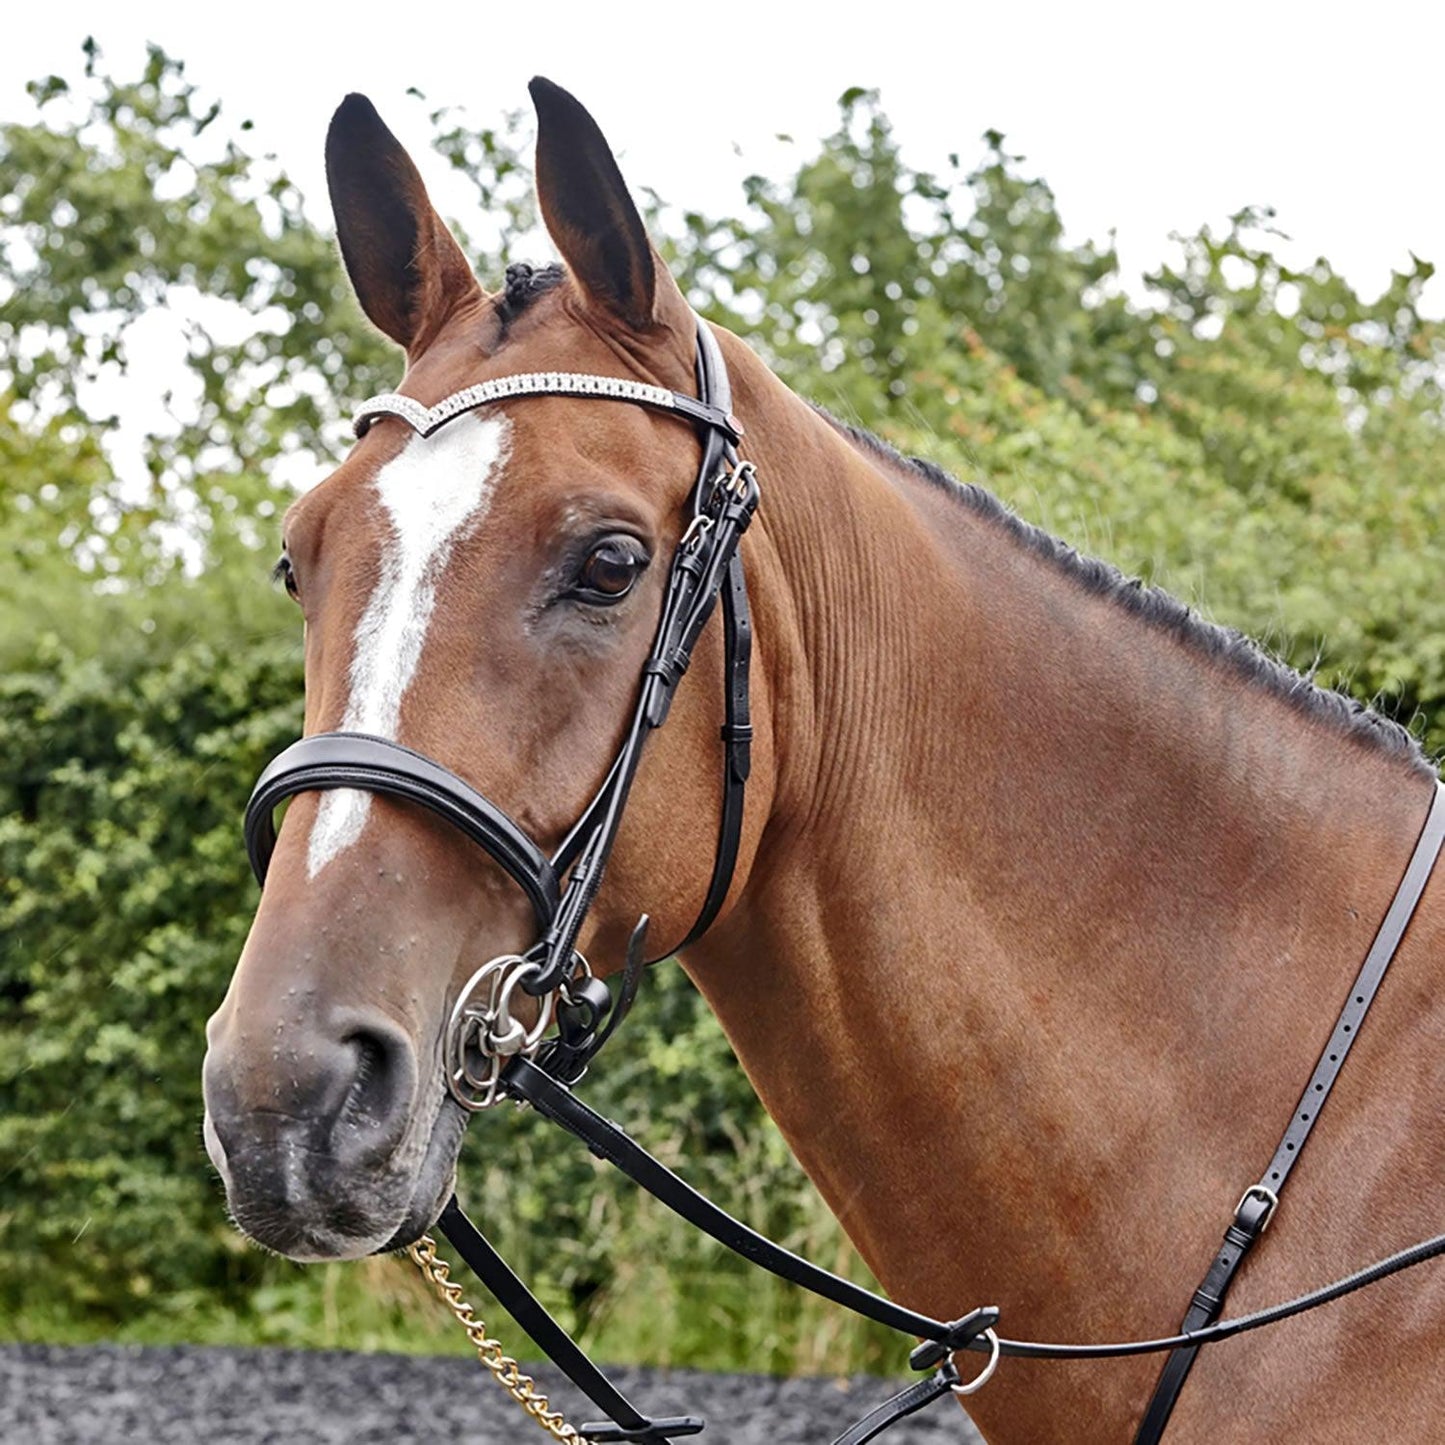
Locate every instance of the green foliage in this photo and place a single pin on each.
(1264, 441)
(858, 268)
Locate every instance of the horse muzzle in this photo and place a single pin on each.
(324, 1141)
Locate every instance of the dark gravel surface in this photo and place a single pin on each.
(50, 1395)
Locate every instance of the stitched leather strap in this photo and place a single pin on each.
(699, 572)
(552, 1099)
(904, 1403)
(737, 737)
(1361, 995)
(737, 731)
(1259, 1203)
(1239, 1238)
(358, 760)
(627, 1422)
(526, 1081)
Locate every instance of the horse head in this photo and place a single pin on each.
(485, 594)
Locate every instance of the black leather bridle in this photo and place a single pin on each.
(705, 567)
(490, 1055)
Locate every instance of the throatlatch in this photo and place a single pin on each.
(491, 1053)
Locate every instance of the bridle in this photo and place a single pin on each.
(490, 1054)
(483, 1034)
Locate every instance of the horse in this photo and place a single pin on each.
(1045, 895)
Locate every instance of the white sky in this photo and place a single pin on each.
(1148, 118)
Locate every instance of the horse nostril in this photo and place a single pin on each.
(374, 1114)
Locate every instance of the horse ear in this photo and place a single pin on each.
(408, 272)
(588, 211)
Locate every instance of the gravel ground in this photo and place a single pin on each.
(50, 1395)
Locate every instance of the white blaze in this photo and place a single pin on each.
(432, 492)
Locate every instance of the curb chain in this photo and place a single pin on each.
(505, 1370)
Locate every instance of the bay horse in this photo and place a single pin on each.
(1047, 891)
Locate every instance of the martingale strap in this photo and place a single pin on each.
(527, 1082)
(1257, 1207)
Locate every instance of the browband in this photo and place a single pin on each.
(424, 420)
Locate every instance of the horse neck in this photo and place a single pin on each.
(1018, 967)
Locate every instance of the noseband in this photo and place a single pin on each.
(483, 1035)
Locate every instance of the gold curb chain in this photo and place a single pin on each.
(505, 1370)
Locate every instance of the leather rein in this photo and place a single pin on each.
(490, 1055)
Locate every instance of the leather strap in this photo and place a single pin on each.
(904, 1403)
(1416, 1254)
(627, 1422)
(358, 760)
(1256, 1209)
(1361, 995)
(737, 737)
(700, 568)
(525, 1080)
(1239, 1238)
(552, 1099)
(697, 576)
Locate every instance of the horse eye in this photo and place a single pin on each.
(610, 570)
(286, 575)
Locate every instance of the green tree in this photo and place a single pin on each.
(858, 269)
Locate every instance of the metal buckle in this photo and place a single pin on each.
(698, 528)
(742, 479)
(1265, 1193)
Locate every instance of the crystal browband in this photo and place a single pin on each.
(425, 420)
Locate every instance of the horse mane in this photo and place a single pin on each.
(1241, 655)
(524, 284)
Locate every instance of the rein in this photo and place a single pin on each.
(490, 1054)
